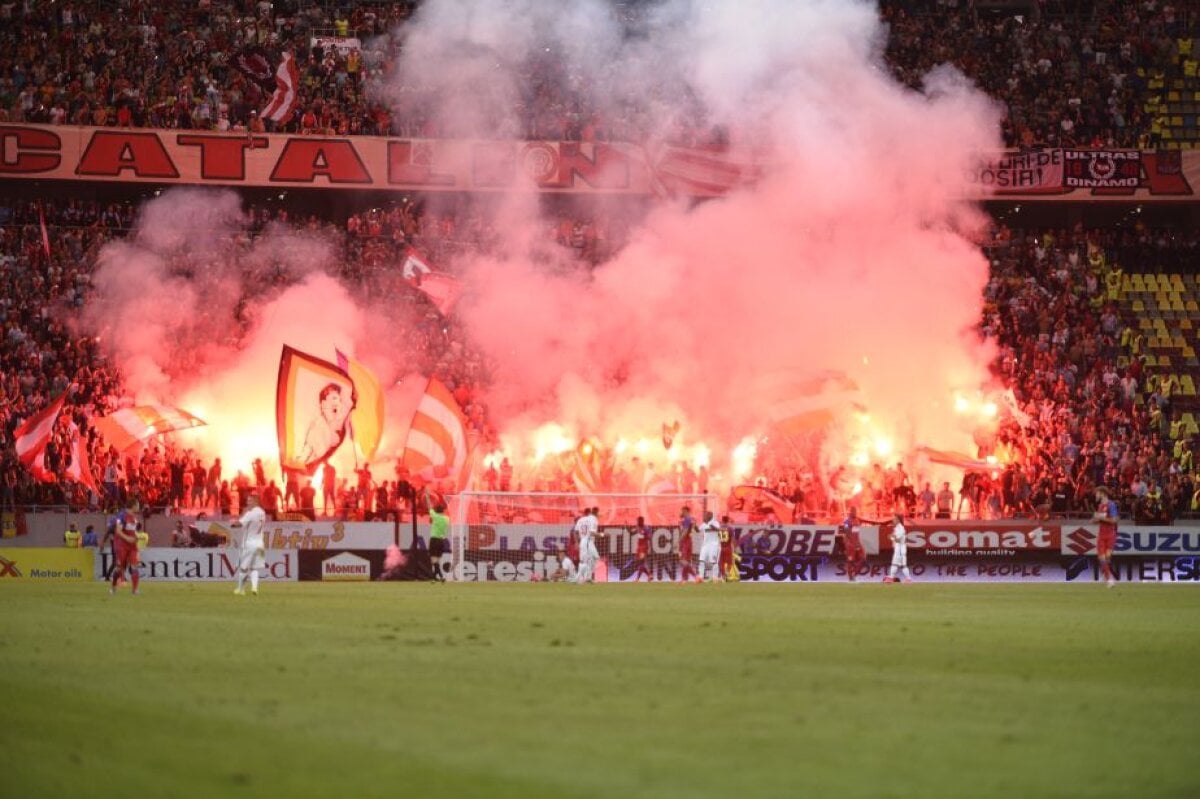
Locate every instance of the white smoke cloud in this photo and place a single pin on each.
(853, 254)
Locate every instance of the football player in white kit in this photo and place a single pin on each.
(710, 546)
(899, 552)
(588, 528)
(253, 547)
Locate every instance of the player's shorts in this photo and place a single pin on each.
(568, 567)
(900, 558)
(855, 553)
(1106, 541)
(252, 559)
(437, 548)
(710, 553)
(126, 555)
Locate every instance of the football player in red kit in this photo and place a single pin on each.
(725, 565)
(1107, 514)
(125, 549)
(641, 555)
(687, 526)
(856, 555)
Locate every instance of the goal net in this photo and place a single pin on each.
(521, 536)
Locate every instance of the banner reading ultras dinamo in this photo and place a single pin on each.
(1079, 174)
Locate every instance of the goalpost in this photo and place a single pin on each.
(515, 536)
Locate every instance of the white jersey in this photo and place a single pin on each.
(253, 521)
(899, 545)
(587, 527)
(711, 534)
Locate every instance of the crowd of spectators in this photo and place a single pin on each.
(1086, 412)
(44, 355)
(1071, 74)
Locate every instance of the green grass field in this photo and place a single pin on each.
(539, 690)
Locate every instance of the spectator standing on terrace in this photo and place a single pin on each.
(925, 501)
(945, 501)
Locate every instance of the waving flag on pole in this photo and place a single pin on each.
(126, 427)
(287, 90)
(80, 469)
(313, 402)
(366, 419)
(437, 444)
(442, 290)
(33, 435)
(45, 232)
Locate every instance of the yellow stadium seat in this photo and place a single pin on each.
(1176, 282)
(1139, 307)
(1177, 342)
(1187, 385)
(1185, 324)
(1191, 307)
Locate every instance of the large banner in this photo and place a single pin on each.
(371, 163)
(979, 538)
(201, 565)
(46, 565)
(1076, 174)
(1135, 541)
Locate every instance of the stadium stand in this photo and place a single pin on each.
(1106, 369)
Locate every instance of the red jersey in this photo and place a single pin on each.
(573, 547)
(685, 545)
(643, 544)
(1107, 539)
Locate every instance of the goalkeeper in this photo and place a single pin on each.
(439, 528)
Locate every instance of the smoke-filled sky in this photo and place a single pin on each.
(852, 254)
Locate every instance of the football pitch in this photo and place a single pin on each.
(543, 690)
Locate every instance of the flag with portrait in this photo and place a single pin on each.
(313, 402)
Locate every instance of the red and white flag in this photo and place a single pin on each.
(287, 90)
(33, 435)
(442, 290)
(45, 232)
(437, 445)
(80, 469)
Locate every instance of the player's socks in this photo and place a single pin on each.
(241, 583)
(254, 581)
(135, 577)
